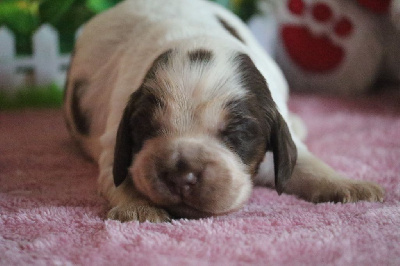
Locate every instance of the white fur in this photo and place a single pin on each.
(117, 49)
(143, 37)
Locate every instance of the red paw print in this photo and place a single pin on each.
(376, 6)
(317, 53)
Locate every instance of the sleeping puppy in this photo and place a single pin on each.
(182, 109)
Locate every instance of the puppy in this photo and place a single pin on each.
(181, 108)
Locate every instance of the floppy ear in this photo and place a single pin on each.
(284, 151)
(280, 140)
(136, 124)
(135, 127)
(123, 148)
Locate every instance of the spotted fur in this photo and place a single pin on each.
(180, 107)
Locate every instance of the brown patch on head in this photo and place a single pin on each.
(193, 91)
(161, 61)
(200, 56)
(230, 29)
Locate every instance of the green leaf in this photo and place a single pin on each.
(98, 6)
(20, 16)
(68, 24)
(243, 8)
(52, 11)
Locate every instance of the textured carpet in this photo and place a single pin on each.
(51, 214)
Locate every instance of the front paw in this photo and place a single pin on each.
(346, 191)
(126, 213)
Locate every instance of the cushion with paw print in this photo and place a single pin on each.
(336, 46)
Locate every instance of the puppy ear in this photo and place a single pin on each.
(123, 148)
(136, 124)
(135, 127)
(284, 152)
(274, 126)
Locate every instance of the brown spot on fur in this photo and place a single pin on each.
(81, 120)
(230, 29)
(200, 56)
(68, 78)
(161, 60)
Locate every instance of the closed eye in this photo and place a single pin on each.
(240, 131)
(241, 134)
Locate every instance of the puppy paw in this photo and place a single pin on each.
(346, 191)
(126, 213)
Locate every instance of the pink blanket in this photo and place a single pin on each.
(52, 215)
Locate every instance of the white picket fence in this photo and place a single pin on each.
(45, 66)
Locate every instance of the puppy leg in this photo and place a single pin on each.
(315, 181)
(298, 126)
(131, 206)
(128, 204)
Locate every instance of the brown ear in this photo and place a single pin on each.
(123, 148)
(274, 126)
(284, 151)
(136, 124)
(135, 127)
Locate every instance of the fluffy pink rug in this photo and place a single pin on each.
(51, 214)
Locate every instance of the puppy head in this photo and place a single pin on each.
(193, 135)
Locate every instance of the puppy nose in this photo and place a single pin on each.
(181, 184)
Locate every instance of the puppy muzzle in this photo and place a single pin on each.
(191, 176)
